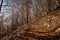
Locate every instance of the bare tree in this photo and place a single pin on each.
(49, 5)
(0, 13)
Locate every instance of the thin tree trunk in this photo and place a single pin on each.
(1, 5)
(27, 9)
(49, 6)
(1, 14)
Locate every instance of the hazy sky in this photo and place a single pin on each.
(6, 9)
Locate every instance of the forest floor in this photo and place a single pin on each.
(46, 28)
